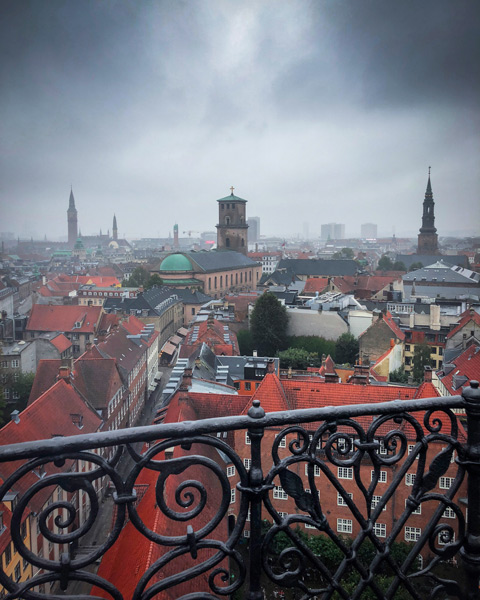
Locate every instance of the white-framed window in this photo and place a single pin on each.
(380, 529)
(382, 450)
(411, 448)
(375, 501)
(412, 534)
(308, 526)
(410, 478)
(230, 471)
(15, 363)
(279, 493)
(446, 483)
(382, 476)
(449, 513)
(232, 495)
(345, 472)
(344, 525)
(246, 533)
(417, 511)
(283, 442)
(247, 463)
(454, 454)
(248, 515)
(341, 500)
(316, 470)
(248, 441)
(443, 542)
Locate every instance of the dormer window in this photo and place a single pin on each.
(77, 325)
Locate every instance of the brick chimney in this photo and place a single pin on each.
(64, 373)
(270, 365)
(331, 378)
(210, 321)
(361, 374)
(186, 383)
(427, 374)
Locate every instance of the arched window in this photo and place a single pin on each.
(227, 242)
(243, 242)
(221, 281)
(215, 282)
(227, 220)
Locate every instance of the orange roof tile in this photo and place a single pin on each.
(63, 318)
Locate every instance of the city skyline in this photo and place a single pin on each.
(313, 112)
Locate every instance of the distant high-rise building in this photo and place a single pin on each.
(428, 238)
(368, 231)
(72, 221)
(253, 229)
(175, 236)
(115, 228)
(332, 231)
(232, 225)
(306, 234)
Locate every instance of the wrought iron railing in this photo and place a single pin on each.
(197, 546)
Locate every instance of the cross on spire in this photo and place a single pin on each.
(231, 189)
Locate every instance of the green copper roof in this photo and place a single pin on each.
(176, 262)
(231, 198)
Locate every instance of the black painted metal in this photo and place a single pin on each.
(318, 439)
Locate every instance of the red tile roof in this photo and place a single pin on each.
(210, 332)
(132, 554)
(388, 319)
(467, 365)
(97, 380)
(61, 343)
(466, 317)
(315, 284)
(52, 414)
(45, 376)
(63, 318)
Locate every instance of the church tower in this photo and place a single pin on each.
(72, 221)
(428, 238)
(232, 228)
(115, 229)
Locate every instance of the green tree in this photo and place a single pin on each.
(245, 342)
(298, 358)
(138, 277)
(398, 376)
(268, 324)
(421, 359)
(153, 280)
(385, 263)
(398, 265)
(416, 265)
(346, 349)
(312, 344)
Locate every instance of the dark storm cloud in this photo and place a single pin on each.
(153, 109)
(387, 54)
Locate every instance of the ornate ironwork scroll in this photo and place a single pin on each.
(189, 497)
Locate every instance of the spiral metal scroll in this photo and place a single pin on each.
(346, 443)
(67, 568)
(191, 496)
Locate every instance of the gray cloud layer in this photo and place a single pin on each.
(315, 111)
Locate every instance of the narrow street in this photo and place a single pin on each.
(101, 528)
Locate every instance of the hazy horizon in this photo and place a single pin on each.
(315, 112)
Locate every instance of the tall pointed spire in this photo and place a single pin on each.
(428, 238)
(72, 220)
(115, 229)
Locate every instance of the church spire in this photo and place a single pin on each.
(115, 229)
(72, 220)
(427, 238)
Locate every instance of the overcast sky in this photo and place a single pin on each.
(316, 112)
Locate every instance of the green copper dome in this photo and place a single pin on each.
(176, 262)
